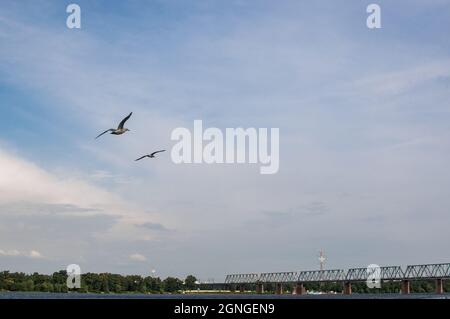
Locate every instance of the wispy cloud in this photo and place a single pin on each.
(138, 257)
(17, 253)
(38, 200)
(399, 82)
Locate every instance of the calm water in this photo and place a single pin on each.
(45, 295)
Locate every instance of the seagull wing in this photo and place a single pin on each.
(110, 130)
(124, 120)
(152, 154)
(141, 158)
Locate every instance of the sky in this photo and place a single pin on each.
(364, 136)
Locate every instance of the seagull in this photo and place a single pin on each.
(152, 155)
(119, 130)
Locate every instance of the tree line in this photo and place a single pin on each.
(94, 283)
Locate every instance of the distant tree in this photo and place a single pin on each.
(135, 283)
(171, 284)
(104, 282)
(190, 282)
(153, 285)
(59, 277)
(28, 285)
(115, 283)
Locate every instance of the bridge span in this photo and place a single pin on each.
(258, 281)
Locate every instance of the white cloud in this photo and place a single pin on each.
(17, 253)
(13, 252)
(138, 257)
(35, 254)
(397, 82)
(21, 180)
(28, 189)
(24, 181)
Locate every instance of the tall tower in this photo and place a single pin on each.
(321, 259)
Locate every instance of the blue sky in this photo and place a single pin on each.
(363, 117)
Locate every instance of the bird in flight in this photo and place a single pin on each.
(152, 155)
(119, 130)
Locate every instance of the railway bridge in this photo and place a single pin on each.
(258, 281)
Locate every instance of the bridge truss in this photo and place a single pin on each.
(430, 271)
(387, 273)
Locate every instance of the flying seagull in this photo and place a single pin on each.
(152, 155)
(119, 130)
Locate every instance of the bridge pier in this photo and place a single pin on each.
(299, 289)
(259, 288)
(406, 287)
(279, 289)
(439, 286)
(347, 288)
